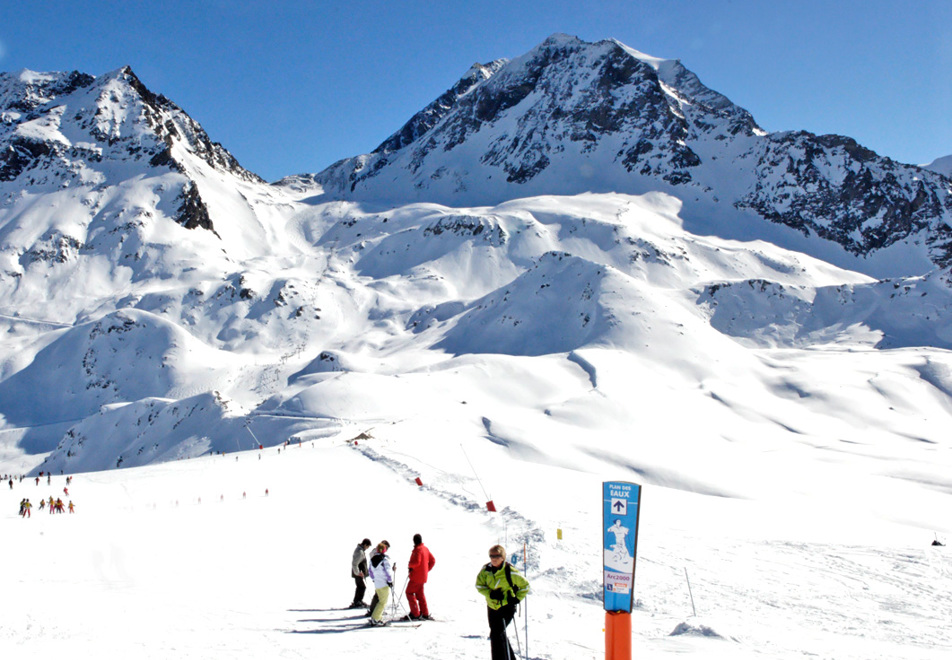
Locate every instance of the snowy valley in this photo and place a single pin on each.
(575, 266)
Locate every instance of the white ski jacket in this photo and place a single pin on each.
(380, 571)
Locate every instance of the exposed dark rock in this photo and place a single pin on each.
(52, 248)
(164, 159)
(836, 189)
(193, 213)
(20, 155)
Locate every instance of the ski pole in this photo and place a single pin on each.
(525, 601)
(690, 593)
(397, 599)
(509, 642)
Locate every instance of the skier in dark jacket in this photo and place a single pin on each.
(358, 570)
(420, 564)
(503, 586)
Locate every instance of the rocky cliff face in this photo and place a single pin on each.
(571, 116)
(62, 130)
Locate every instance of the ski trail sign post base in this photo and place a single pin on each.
(617, 636)
(621, 504)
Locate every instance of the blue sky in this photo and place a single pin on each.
(291, 87)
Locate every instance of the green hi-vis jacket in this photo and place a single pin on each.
(505, 578)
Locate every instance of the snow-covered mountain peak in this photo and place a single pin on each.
(55, 120)
(571, 116)
(546, 121)
(104, 166)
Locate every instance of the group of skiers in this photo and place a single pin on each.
(502, 585)
(379, 568)
(55, 506)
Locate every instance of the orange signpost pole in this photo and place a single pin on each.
(617, 636)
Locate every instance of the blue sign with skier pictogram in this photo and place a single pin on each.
(621, 505)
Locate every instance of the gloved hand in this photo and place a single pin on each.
(496, 594)
(390, 584)
(513, 598)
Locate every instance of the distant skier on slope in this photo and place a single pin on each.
(503, 587)
(358, 570)
(419, 567)
(382, 574)
(25, 507)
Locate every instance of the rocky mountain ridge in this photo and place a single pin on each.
(571, 116)
(115, 113)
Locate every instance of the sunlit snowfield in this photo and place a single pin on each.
(784, 400)
(247, 555)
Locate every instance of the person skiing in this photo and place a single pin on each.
(382, 574)
(358, 570)
(25, 507)
(504, 587)
(373, 553)
(72, 507)
(419, 567)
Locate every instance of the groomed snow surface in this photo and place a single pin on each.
(788, 420)
(246, 555)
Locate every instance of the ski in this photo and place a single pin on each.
(394, 624)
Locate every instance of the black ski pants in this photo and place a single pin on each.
(360, 590)
(498, 621)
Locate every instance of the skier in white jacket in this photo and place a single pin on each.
(381, 572)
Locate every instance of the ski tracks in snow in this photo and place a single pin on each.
(832, 591)
(522, 526)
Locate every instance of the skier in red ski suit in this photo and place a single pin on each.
(420, 564)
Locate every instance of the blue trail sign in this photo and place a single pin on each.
(621, 506)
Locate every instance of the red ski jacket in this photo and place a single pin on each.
(420, 564)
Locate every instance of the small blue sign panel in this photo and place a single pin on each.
(621, 506)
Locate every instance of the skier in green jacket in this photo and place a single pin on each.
(504, 587)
